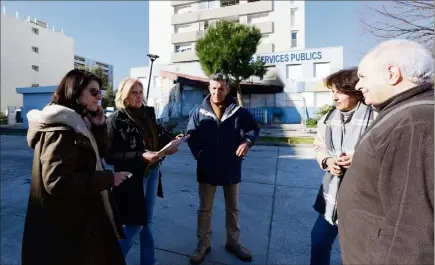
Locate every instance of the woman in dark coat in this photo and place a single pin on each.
(70, 219)
(134, 138)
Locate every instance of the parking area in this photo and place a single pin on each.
(276, 196)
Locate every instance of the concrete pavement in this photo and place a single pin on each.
(276, 196)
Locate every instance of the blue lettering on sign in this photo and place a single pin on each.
(289, 57)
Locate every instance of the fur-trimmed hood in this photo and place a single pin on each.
(54, 117)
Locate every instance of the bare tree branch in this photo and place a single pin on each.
(410, 19)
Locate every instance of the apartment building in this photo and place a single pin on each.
(292, 90)
(33, 54)
(175, 26)
(81, 61)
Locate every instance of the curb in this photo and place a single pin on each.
(13, 131)
(284, 145)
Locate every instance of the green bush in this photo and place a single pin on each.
(3, 118)
(311, 123)
(324, 110)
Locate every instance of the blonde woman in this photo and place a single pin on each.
(133, 139)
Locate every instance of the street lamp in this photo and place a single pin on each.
(152, 57)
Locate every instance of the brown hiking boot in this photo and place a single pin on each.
(201, 251)
(240, 252)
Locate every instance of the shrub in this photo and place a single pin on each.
(311, 123)
(324, 110)
(3, 118)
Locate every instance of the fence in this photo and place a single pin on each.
(277, 108)
(266, 109)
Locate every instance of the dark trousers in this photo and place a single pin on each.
(323, 236)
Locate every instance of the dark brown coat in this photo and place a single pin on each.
(66, 222)
(386, 199)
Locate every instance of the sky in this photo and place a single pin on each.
(116, 32)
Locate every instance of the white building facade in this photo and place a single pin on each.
(32, 54)
(176, 25)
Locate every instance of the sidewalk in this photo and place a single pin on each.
(276, 197)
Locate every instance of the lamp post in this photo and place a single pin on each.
(152, 57)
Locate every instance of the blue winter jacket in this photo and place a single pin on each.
(213, 143)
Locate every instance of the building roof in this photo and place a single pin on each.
(35, 90)
(202, 82)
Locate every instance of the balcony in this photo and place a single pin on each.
(187, 37)
(186, 56)
(222, 12)
(265, 27)
(265, 48)
(181, 2)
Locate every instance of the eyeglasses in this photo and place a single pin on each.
(95, 92)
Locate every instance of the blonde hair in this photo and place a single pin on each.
(124, 90)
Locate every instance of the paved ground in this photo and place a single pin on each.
(278, 189)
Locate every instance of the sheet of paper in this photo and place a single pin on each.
(173, 143)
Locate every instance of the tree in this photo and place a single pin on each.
(109, 97)
(85, 67)
(228, 47)
(413, 20)
(98, 71)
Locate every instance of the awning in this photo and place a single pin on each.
(202, 82)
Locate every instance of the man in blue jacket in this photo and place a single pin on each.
(221, 133)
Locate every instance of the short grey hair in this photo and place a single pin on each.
(414, 60)
(220, 77)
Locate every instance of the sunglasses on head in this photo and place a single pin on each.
(95, 92)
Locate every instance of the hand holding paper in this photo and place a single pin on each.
(172, 146)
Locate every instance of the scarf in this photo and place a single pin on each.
(341, 136)
(146, 125)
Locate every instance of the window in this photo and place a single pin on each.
(78, 58)
(229, 2)
(294, 43)
(183, 28)
(294, 17)
(321, 70)
(35, 85)
(183, 47)
(294, 71)
(79, 65)
(206, 4)
(35, 31)
(35, 49)
(35, 68)
(258, 18)
(103, 65)
(203, 25)
(182, 9)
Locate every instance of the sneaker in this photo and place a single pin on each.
(201, 251)
(240, 252)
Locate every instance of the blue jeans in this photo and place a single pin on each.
(147, 257)
(323, 236)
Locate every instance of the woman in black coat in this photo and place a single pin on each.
(134, 138)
